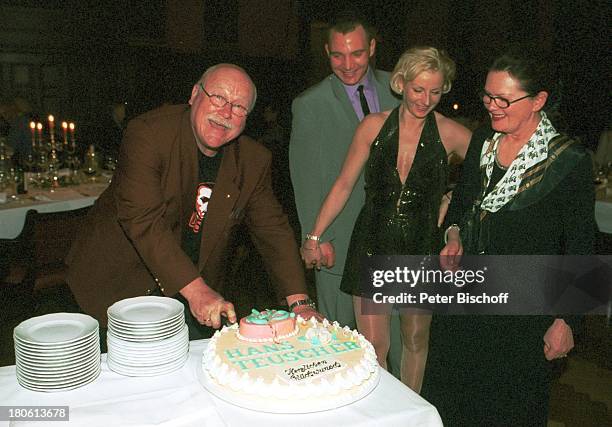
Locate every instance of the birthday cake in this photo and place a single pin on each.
(274, 361)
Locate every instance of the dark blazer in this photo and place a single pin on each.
(553, 215)
(131, 242)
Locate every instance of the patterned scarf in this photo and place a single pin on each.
(532, 153)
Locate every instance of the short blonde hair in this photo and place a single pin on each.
(418, 59)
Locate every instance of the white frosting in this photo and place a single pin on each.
(323, 375)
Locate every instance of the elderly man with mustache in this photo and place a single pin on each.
(185, 180)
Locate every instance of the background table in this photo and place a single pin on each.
(178, 399)
(12, 213)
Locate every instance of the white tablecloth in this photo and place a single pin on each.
(13, 213)
(178, 399)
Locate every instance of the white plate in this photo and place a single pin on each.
(59, 353)
(145, 309)
(57, 348)
(146, 372)
(149, 336)
(55, 328)
(148, 345)
(150, 360)
(152, 364)
(60, 387)
(179, 318)
(128, 330)
(59, 364)
(146, 327)
(147, 352)
(60, 377)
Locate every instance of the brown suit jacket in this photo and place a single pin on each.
(131, 242)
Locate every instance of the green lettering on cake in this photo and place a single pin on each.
(252, 351)
(241, 363)
(286, 345)
(259, 362)
(301, 353)
(276, 359)
(319, 350)
(232, 353)
(351, 345)
(337, 347)
(290, 356)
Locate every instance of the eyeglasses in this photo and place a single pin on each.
(219, 101)
(500, 101)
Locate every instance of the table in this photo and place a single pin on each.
(178, 399)
(13, 213)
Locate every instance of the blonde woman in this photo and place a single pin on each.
(403, 153)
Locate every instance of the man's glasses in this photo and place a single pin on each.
(500, 101)
(219, 101)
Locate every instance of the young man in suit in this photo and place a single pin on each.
(325, 117)
(185, 179)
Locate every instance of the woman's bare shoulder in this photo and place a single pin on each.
(450, 129)
(371, 125)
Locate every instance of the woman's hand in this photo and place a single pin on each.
(311, 254)
(558, 340)
(328, 254)
(323, 254)
(450, 255)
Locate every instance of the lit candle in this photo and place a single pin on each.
(71, 127)
(33, 129)
(39, 127)
(52, 129)
(65, 129)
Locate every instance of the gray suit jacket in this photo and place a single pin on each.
(324, 122)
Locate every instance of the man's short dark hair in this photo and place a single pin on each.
(346, 21)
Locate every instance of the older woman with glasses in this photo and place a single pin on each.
(525, 189)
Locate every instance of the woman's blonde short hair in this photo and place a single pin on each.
(418, 59)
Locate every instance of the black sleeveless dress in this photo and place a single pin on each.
(398, 219)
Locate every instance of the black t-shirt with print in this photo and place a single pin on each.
(208, 168)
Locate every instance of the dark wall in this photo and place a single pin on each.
(78, 56)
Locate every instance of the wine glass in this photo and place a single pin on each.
(90, 165)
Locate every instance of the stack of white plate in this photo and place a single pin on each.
(57, 352)
(147, 336)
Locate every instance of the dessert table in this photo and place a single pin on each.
(13, 212)
(178, 399)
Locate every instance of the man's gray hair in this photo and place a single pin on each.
(214, 68)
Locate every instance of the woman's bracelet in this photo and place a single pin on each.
(448, 229)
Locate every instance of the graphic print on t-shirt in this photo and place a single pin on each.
(203, 195)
